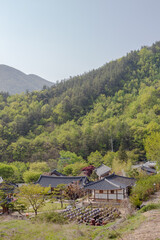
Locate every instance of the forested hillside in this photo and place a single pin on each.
(111, 109)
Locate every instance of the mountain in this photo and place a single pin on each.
(14, 81)
(109, 110)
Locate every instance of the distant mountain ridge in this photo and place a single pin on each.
(14, 81)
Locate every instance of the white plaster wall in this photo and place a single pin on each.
(120, 196)
(101, 196)
(110, 196)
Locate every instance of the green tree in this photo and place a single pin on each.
(152, 147)
(19, 169)
(122, 155)
(6, 171)
(58, 192)
(108, 158)
(95, 159)
(66, 158)
(74, 169)
(33, 195)
(31, 176)
(39, 167)
(19, 206)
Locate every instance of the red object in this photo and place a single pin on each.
(88, 170)
(98, 224)
(93, 222)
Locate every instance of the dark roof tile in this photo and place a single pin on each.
(126, 181)
(111, 182)
(148, 169)
(46, 181)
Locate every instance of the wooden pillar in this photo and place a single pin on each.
(116, 194)
(94, 194)
(107, 195)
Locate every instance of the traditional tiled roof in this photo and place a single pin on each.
(46, 181)
(102, 184)
(146, 164)
(111, 182)
(103, 169)
(120, 180)
(148, 170)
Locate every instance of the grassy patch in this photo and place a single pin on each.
(149, 207)
(132, 223)
(51, 217)
(23, 229)
(33, 230)
(49, 206)
(47, 230)
(52, 206)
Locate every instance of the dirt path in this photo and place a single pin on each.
(148, 230)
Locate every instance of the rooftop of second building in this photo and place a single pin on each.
(101, 170)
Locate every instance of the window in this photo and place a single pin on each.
(100, 191)
(112, 191)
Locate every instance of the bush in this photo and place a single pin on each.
(31, 176)
(150, 207)
(52, 217)
(113, 235)
(39, 167)
(134, 199)
(6, 171)
(146, 186)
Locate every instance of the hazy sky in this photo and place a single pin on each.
(56, 39)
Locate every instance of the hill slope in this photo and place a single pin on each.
(14, 81)
(116, 106)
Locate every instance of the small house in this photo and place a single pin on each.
(112, 187)
(102, 171)
(148, 170)
(148, 167)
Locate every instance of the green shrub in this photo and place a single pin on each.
(52, 217)
(150, 207)
(134, 199)
(146, 186)
(31, 176)
(112, 235)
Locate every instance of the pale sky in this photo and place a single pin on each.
(56, 39)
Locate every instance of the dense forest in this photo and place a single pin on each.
(113, 109)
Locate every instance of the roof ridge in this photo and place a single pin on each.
(112, 183)
(50, 176)
(113, 174)
(89, 184)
